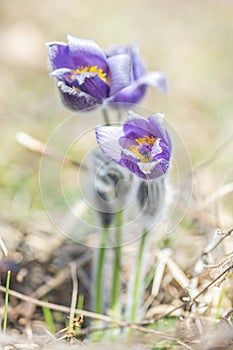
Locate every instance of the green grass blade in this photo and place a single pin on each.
(6, 301)
(48, 316)
(80, 303)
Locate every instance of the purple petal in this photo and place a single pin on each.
(108, 140)
(85, 52)
(93, 86)
(160, 150)
(126, 143)
(136, 126)
(134, 93)
(157, 126)
(138, 65)
(120, 69)
(156, 148)
(131, 163)
(116, 49)
(59, 55)
(154, 169)
(155, 79)
(62, 74)
(160, 168)
(127, 95)
(76, 100)
(138, 68)
(147, 171)
(58, 73)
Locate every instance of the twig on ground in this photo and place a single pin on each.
(3, 246)
(221, 192)
(41, 148)
(61, 276)
(83, 278)
(213, 245)
(189, 302)
(122, 324)
(53, 283)
(74, 296)
(57, 307)
(160, 334)
(228, 314)
(211, 284)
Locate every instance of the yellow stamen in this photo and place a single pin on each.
(92, 69)
(150, 140)
(134, 148)
(142, 158)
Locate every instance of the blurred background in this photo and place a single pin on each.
(192, 41)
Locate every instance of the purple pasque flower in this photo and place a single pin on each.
(87, 76)
(141, 145)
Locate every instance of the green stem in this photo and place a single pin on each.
(138, 278)
(6, 301)
(99, 271)
(115, 299)
(106, 116)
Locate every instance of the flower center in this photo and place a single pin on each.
(89, 69)
(143, 148)
(150, 140)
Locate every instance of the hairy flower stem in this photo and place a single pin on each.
(136, 292)
(98, 289)
(106, 116)
(115, 299)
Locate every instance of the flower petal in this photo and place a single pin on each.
(156, 148)
(138, 65)
(160, 150)
(126, 96)
(116, 49)
(76, 100)
(59, 55)
(62, 74)
(132, 164)
(154, 169)
(58, 73)
(85, 52)
(136, 126)
(138, 68)
(134, 93)
(160, 168)
(120, 69)
(93, 85)
(108, 140)
(155, 79)
(146, 168)
(157, 126)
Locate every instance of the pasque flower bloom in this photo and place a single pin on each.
(87, 76)
(141, 145)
